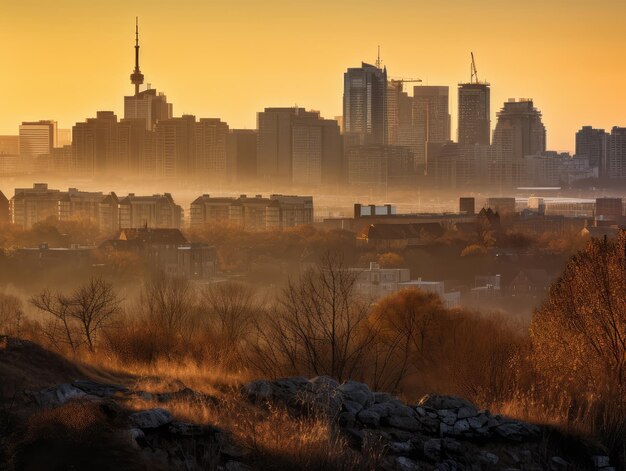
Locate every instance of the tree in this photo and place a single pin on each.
(319, 326)
(579, 334)
(78, 318)
(232, 308)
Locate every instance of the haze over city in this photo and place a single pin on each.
(231, 59)
(339, 235)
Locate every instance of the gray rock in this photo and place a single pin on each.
(461, 427)
(369, 418)
(357, 392)
(432, 449)
(478, 421)
(429, 424)
(404, 411)
(97, 389)
(57, 395)
(466, 412)
(451, 446)
(384, 409)
(351, 406)
(444, 402)
(190, 430)
(346, 419)
(381, 397)
(400, 448)
(258, 391)
(511, 431)
(236, 466)
(447, 416)
(420, 411)
(404, 423)
(152, 418)
(405, 464)
(488, 457)
(447, 465)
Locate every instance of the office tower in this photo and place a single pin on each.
(156, 211)
(431, 119)
(379, 165)
(316, 151)
(591, 144)
(38, 138)
(95, 145)
(474, 114)
(135, 148)
(175, 147)
(519, 132)
(365, 105)
(63, 159)
(242, 154)
(210, 156)
(9, 145)
(616, 154)
(5, 213)
(146, 105)
(274, 155)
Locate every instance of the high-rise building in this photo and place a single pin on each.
(96, 145)
(242, 154)
(616, 154)
(210, 156)
(591, 144)
(146, 105)
(519, 133)
(365, 105)
(275, 140)
(431, 119)
(474, 114)
(175, 147)
(37, 138)
(135, 148)
(316, 151)
(64, 137)
(378, 166)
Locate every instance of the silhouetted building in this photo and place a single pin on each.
(616, 154)
(242, 154)
(295, 145)
(29, 206)
(96, 145)
(253, 213)
(210, 157)
(379, 166)
(365, 105)
(518, 133)
(591, 144)
(610, 209)
(474, 114)
(5, 213)
(175, 147)
(156, 211)
(504, 206)
(136, 148)
(431, 118)
(79, 205)
(109, 214)
(37, 138)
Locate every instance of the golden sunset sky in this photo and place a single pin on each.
(65, 59)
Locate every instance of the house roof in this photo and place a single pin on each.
(153, 236)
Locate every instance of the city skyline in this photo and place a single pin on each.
(39, 85)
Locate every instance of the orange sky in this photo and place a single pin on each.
(64, 60)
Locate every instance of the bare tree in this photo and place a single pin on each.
(78, 318)
(319, 326)
(232, 308)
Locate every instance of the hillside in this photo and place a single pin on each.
(56, 414)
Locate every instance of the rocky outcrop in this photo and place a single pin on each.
(439, 433)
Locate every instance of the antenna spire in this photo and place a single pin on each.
(378, 61)
(136, 78)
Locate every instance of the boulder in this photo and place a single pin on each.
(405, 464)
(409, 424)
(98, 389)
(151, 418)
(357, 392)
(258, 391)
(438, 402)
(487, 457)
(57, 395)
(369, 418)
(432, 449)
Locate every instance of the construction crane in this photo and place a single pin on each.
(402, 81)
(474, 72)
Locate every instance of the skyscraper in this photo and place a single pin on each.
(274, 156)
(519, 132)
(431, 120)
(210, 159)
(474, 114)
(316, 151)
(146, 105)
(175, 147)
(37, 138)
(242, 154)
(591, 144)
(95, 144)
(365, 105)
(616, 154)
